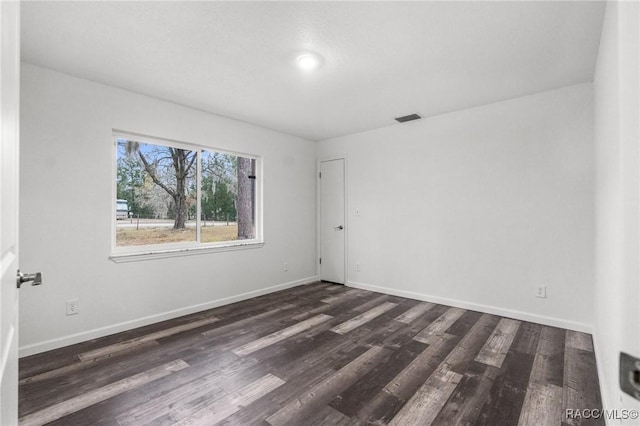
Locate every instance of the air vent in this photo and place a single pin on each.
(409, 117)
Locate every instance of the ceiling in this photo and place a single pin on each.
(381, 59)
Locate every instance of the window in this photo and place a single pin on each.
(174, 196)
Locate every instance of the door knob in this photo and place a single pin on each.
(24, 278)
(339, 228)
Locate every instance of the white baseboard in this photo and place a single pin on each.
(606, 395)
(72, 339)
(495, 310)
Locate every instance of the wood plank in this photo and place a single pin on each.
(542, 405)
(261, 409)
(373, 333)
(506, 396)
(356, 397)
(363, 318)
(106, 411)
(226, 406)
(548, 364)
(127, 344)
(374, 299)
(544, 398)
(75, 367)
(157, 409)
(427, 402)
(38, 395)
(577, 340)
(414, 312)
(333, 299)
(438, 327)
(317, 396)
(377, 331)
(527, 338)
(211, 346)
(459, 359)
(305, 290)
(36, 364)
(280, 335)
(329, 416)
(287, 348)
(245, 322)
(464, 323)
(407, 332)
(405, 383)
(344, 305)
(204, 387)
(466, 401)
(335, 287)
(381, 410)
(318, 350)
(580, 390)
(64, 408)
(354, 292)
(494, 351)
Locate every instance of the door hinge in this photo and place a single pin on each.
(321, 261)
(320, 175)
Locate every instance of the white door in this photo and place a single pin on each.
(332, 223)
(9, 126)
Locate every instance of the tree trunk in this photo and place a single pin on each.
(180, 200)
(244, 202)
(183, 161)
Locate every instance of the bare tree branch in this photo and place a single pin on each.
(193, 160)
(152, 173)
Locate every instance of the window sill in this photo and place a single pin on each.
(162, 254)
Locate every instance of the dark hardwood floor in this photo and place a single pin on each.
(318, 354)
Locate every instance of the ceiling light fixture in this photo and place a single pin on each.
(308, 61)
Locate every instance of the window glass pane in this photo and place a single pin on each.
(158, 184)
(228, 197)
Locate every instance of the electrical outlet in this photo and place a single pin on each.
(285, 267)
(541, 291)
(73, 307)
(357, 267)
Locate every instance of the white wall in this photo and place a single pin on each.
(66, 213)
(477, 207)
(617, 134)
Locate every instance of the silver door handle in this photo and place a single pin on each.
(25, 278)
(339, 228)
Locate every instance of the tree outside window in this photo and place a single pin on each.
(178, 195)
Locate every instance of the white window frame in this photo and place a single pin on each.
(156, 251)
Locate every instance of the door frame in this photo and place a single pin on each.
(10, 262)
(347, 224)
